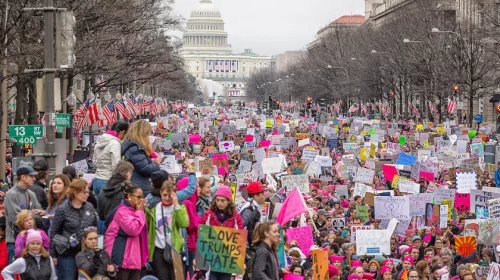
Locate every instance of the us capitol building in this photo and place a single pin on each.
(220, 74)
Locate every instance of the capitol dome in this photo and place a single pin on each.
(205, 9)
(205, 31)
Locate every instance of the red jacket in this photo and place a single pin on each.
(232, 222)
(4, 256)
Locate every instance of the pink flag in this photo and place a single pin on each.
(292, 207)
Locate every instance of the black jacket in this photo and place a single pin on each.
(69, 220)
(110, 196)
(94, 263)
(143, 165)
(251, 216)
(39, 189)
(265, 264)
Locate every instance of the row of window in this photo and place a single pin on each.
(205, 27)
(255, 63)
(220, 76)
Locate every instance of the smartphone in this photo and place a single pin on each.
(100, 242)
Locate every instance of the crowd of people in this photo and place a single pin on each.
(141, 217)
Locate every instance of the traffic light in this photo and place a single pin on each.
(309, 102)
(456, 89)
(65, 40)
(277, 105)
(322, 104)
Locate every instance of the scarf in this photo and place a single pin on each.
(203, 203)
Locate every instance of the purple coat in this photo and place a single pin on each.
(21, 241)
(126, 238)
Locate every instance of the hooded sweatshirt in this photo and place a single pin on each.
(110, 196)
(107, 154)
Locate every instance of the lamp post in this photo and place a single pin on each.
(71, 100)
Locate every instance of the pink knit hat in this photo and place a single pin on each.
(427, 238)
(33, 235)
(224, 191)
(356, 264)
(345, 203)
(336, 259)
(332, 270)
(385, 269)
(409, 259)
(354, 277)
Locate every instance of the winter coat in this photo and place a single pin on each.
(17, 199)
(94, 263)
(110, 196)
(4, 256)
(497, 178)
(232, 222)
(143, 165)
(179, 220)
(251, 215)
(69, 220)
(189, 201)
(32, 267)
(265, 264)
(126, 237)
(107, 154)
(21, 241)
(154, 197)
(39, 189)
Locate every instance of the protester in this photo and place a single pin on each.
(164, 223)
(4, 253)
(57, 195)
(19, 198)
(112, 194)
(25, 222)
(34, 263)
(107, 154)
(40, 185)
(204, 197)
(137, 149)
(92, 261)
(70, 171)
(126, 238)
(67, 228)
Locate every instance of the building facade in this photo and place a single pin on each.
(220, 73)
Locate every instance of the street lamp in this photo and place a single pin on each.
(435, 30)
(118, 96)
(90, 96)
(107, 96)
(407, 41)
(71, 100)
(140, 96)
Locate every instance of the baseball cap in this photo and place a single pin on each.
(25, 170)
(255, 188)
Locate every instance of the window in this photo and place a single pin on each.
(243, 69)
(78, 84)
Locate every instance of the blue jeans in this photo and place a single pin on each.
(66, 268)
(11, 248)
(98, 185)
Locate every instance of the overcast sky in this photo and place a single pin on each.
(270, 27)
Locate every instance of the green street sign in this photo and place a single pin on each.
(23, 131)
(63, 120)
(31, 140)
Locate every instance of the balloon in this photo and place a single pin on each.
(472, 133)
(402, 140)
(372, 131)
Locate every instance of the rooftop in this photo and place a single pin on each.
(354, 19)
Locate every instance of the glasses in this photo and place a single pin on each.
(137, 196)
(89, 229)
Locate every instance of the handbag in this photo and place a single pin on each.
(61, 244)
(170, 255)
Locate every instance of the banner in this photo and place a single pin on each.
(320, 264)
(221, 249)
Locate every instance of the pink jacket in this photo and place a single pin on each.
(126, 238)
(21, 241)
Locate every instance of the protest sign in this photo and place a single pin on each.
(309, 155)
(205, 167)
(323, 161)
(296, 181)
(462, 202)
(260, 154)
(355, 229)
(221, 249)
(432, 214)
(407, 186)
(418, 202)
(481, 272)
(466, 181)
(364, 175)
(272, 165)
(81, 166)
(360, 189)
(494, 272)
(332, 143)
(465, 247)
(300, 136)
(320, 264)
(303, 236)
(349, 147)
(406, 159)
(389, 172)
(362, 212)
(304, 142)
(479, 198)
(245, 166)
(494, 208)
(488, 230)
(443, 216)
(88, 177)
(373, 242)
(313, 169)
(265, 211)
(226, 146)
(388, 207)
(342, 190)
(443, 194)
(170, 165)
(338, 223)
(449, 203)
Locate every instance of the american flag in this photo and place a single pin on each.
(80, 123)
(452, 105)
(433, 108)
(153, 109)
(109, 112)
(93, 111)
(82, 111)
(415, 111)
(364, 109)
(374, 107)
(122, 108)
(132, 105)
(354, 108)
(147, 105)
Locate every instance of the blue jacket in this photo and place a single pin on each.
(143, 165)
(497, 177)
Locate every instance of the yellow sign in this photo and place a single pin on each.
(395, 182)
(233, 189)
(420, 127)
(300, 136)
(450, 207)
(373, 148)
(269, 123)
(440, 130)
(362, 153)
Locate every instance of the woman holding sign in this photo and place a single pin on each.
(266, 238)
(222, 213)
